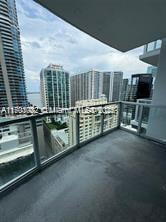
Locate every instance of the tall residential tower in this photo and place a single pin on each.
(12, 78)
(93, 84)
(55, 87)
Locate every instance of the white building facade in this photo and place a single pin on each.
(93, 84)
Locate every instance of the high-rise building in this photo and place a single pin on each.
(115, 86)
(55, 87)
(106, 84)
(85, 86)
(124, 91)
(12, 78)
(141, 86)
(138, 87)
(92, 84)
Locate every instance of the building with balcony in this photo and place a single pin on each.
(90, 119)
(12, 78)
(81, 86)
(125, 90)
(55, 87)
(154, 54)
(151, 53)
(115, 86)
(93, 84)
(91, 102)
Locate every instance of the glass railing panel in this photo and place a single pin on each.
(16, 151)
(129, 117)
(111, 116)
(153, 122)
(56, 133)
(144, 118)
(158, 44)
(90, 123)
(145, 48)
(151, 46)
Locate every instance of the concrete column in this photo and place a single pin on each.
(157, 117)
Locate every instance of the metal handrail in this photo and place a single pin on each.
(47, 114)
(42, 115)
(143, 104)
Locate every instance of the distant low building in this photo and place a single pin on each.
(90, 124)
(91, 102)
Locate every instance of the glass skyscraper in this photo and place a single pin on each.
(55, 86)
(12, 78)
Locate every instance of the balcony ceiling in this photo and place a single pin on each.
(123, 25)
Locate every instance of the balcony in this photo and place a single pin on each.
(151, 53)
(117, 175)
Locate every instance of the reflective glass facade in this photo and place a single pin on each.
(54, 82)
(12, 78)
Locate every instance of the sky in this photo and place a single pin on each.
(45, 39)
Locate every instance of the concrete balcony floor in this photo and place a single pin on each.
(119, 177)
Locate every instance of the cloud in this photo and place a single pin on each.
(32, 80)
(47, 39)
(31, 44)
(32, 75)
(33, 10)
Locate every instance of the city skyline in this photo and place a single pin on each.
(65, 45)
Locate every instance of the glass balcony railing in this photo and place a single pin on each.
(56, 133)
(28, 144)
(152, 46)
(128, 114)
(16, 150)
(144, 119)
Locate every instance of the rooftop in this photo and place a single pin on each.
(119, 177)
